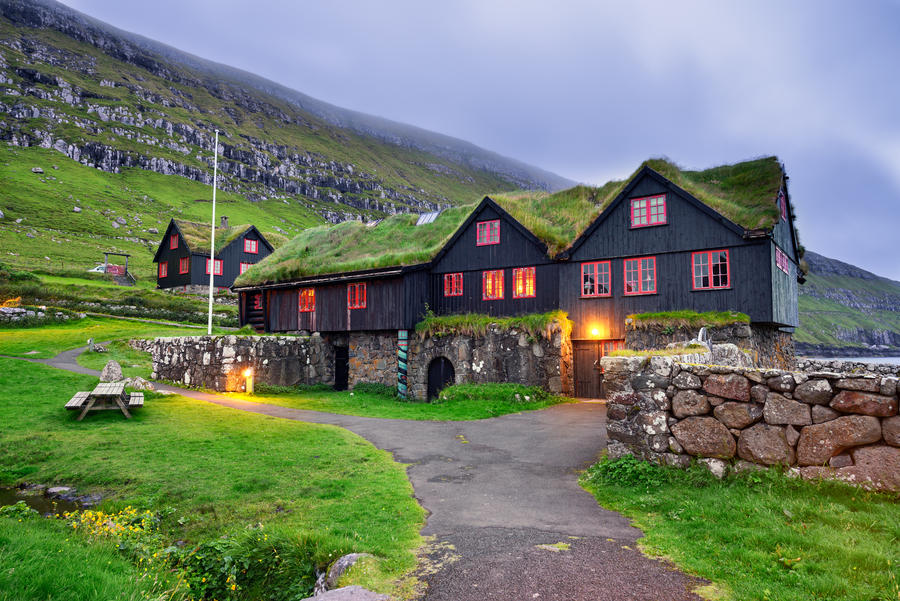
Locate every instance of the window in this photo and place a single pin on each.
(452, 284)
(595, 279)
(245, 266)
(308, 300)
(782, 204)
(710, 269)
(782, 261)
(217, 267)
(523, 282)
(251, 246)
(184, 264)
(257, 302)
(640, 276)
(356, 296)
(173, 241)
(492, 285)
(487, 232)
(163, 269)
(650, 210)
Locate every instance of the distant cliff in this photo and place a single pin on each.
(845, 310)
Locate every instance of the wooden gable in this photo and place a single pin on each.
(163, 248)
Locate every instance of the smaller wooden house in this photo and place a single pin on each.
(182, 258)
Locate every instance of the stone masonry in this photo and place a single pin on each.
(373, 358)
(821, 423)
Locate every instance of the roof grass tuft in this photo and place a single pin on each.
(197, 235)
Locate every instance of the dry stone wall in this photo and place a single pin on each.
(373, 358)
(821, 423)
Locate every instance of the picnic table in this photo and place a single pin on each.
(106, 396)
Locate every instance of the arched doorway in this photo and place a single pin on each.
(440, 374)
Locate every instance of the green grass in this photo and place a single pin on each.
(41, 559)
(475, 324)
(460, 403)
(688, 318)
(51, 340)
(668, 352)
(210, 471)
(134, 363)
(760, 537)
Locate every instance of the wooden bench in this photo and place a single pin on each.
(78, 400)
(136, 399)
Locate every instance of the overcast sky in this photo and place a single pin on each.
(590, 89)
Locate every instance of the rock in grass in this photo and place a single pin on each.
(340, 566)
(138, 383)
(112, 372)
(349, 593)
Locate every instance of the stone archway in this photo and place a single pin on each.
(440, 375)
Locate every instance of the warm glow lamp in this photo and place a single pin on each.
(595, 332)
(248, 374)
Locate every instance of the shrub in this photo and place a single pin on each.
(504, 392)
(20, 511)
(376, 389)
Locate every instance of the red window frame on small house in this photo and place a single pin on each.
(356, 296)
(648, 210)
(257, 301)
(307, 302)
(524, 282)
(782, 261)
(596, 279)
(487, 232)
(173, 241)
(251, 246)
(710, 270)
(640, 276)
(245, 266)
(163, 269)
(217, 267)
(453, 284)
(184, 265)
(492, 285)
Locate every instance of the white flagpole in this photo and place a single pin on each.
(212, 236)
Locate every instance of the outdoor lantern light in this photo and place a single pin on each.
(595, 332)
(248, 373)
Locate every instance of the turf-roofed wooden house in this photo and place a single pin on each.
(182, 258)
(662, 240)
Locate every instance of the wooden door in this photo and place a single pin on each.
(587, 372)
(341, 367)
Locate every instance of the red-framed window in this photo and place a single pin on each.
(595, 279)
(453, 284)
(782, 204)
(184, 264)
(217, 267)
(640, 275)
(173, 241)
(710, 270)
(245, 266)
(257, 301)
(487, 232)
(356, 295)
(163, 269)
(782, 261)
(251, 246)
(523, 282)
(492, 285)
(650, 210)
(307, 300)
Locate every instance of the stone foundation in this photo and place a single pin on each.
(826, 424)
(854, 367)
(373, 358)
(769, 346)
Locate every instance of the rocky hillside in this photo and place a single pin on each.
(114, 100)
(845, 310)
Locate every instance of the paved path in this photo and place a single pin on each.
(495, 489)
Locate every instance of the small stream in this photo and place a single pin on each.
(37, 501)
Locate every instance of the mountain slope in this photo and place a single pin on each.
(845, 310)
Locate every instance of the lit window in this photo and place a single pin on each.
(640, 275)
(307, 300)
(173, 241)
(710, 269)
(217, 267)
(487, 232)
(650, 210)
(782, 261)
(245, 266)
(163, 269)
(184, 264)
(523, 282)
(251, 246)
(492, 285)
(595, 279)
(453, 283)
(356, 296)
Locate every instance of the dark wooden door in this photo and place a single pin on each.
(341, 367)
(440, 374)
(587, 372)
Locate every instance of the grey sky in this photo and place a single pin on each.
(590, 89)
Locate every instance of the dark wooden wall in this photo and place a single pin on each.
(546, 295)
(232, 256)
(172, 256)
(785, 289)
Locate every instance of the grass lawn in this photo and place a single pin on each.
(475, 402)
(53, 339)
(134, 363)
(760, 536)
(312, 491)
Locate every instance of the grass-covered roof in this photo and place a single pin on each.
(744, 193)
(196, 235)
